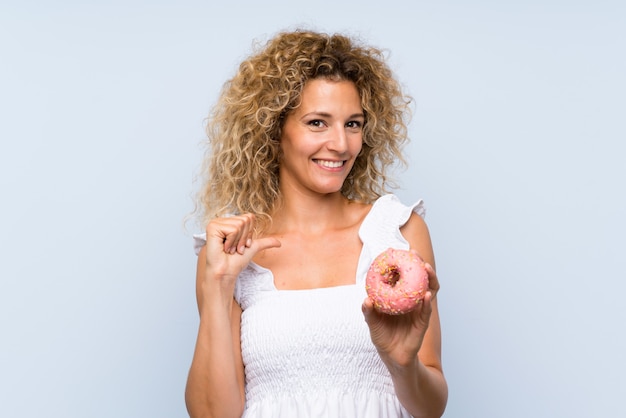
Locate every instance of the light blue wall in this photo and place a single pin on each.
(518, 151)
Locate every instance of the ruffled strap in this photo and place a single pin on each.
(199, 241)
(382, 225)
(381, 228)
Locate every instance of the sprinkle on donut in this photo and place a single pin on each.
(396, 281)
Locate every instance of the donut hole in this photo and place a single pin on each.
(392, 275)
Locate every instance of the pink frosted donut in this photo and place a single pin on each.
(396, 281)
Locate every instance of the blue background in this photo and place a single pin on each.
(518, 150)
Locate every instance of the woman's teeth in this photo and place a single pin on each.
(330, 164)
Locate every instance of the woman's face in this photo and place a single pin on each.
(321, 138)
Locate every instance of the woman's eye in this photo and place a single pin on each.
(354, 124)
(316, 123)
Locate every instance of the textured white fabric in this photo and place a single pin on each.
(308, 353)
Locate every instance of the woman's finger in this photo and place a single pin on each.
(426, 309)
(245, 236)
(261, 244)
(233, 231)
(433, 281)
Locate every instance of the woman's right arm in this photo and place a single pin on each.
(215, 381)
(215, 385)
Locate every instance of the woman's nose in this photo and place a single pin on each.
(338, 140)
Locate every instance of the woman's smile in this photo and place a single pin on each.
(329, 164)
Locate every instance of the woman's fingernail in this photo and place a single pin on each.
(248, 242)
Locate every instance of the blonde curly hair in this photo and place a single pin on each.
(244, 128)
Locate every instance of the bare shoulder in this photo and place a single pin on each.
(416, 232)
(357, 211)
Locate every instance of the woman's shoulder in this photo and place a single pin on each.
(386, 217)
(390, 207)
(358, 211)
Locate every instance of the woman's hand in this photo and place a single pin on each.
(398, 338)
(230, 246)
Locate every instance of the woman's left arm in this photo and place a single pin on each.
(410, 344)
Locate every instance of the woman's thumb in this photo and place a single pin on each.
(265, 243)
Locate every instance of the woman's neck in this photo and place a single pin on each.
(310, 214)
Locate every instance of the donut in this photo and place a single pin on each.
(396, 281)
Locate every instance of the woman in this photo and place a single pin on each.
(296, 209)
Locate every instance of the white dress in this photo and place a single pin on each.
(308, 353)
